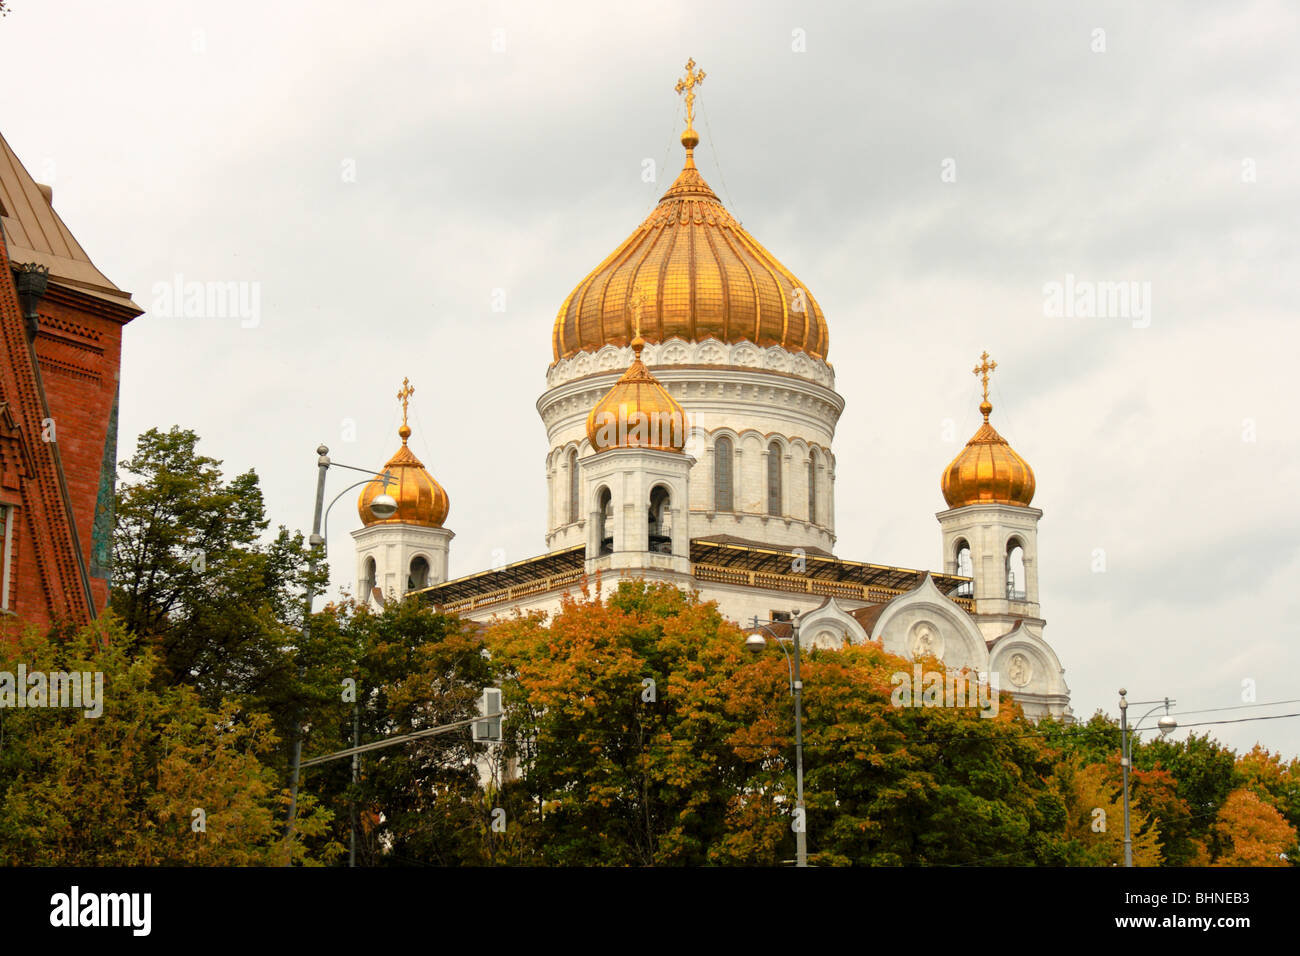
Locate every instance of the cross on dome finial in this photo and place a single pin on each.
(687, 84)
(404, 395)
(982, 373)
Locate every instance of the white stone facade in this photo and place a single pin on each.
(764, 401)
(388, 557)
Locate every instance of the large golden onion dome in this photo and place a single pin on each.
(988, 470)
(637, 412)
(420, 499)
(703, 276)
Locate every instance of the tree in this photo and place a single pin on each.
(156, 779)
(898, 785)
(618, 725)
(1094, 825)
(647, 736)
(1205, 773)
(403, 669)
(193, 578)
(1274, 782)
(1096, 741)
(1252, 833)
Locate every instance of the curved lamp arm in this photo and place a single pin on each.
(1166, 703)
(386, 478)
(789, 662)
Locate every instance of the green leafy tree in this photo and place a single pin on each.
(400, 670)
(196, 581)
(158, 778)
(897, 785)
(1205, 771)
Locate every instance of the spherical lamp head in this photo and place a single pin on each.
(383, 506)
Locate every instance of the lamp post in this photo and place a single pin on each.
(382, 506)
(755, 643)
(1167, 724)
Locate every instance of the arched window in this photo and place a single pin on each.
(369, 581)
(723, 466)
(661, 521)
(419, 576)
(774, 479)
(1015, 570)
(812, 485)
(605, 521)
(573, 486)
(965, 567)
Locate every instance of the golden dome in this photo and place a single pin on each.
(637, 412)
(703, 276)
(988, 470)
(420, 499)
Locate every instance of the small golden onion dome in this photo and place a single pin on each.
(702, 275)
(988, 471)
(637, 412)
(420, 499)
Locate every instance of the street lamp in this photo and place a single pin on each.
(1167, 725)
(755, 643)
(382, 506)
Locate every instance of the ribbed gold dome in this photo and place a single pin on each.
(702, 275)
(988, 471)
(420, 499)
(637, 412)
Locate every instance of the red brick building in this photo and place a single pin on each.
(60, 352)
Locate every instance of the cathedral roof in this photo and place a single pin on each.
(637, 412)
(702, 276)
(420, 499)
(712, 560)
(869, 615)
(988, 470)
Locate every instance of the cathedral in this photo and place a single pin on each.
(690, 411)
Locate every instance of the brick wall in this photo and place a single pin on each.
(80, 348)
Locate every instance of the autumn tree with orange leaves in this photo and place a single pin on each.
(1252, 832)
(645, 735)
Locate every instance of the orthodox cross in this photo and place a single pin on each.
(982, 372)
(404, 395)
(687, 84)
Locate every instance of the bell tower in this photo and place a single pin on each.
(638, 480)
(409, 550)
(990, 532)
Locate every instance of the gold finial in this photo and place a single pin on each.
(687, 84)
(982, 373)
(404, 395)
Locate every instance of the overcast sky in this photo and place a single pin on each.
(375, 171)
